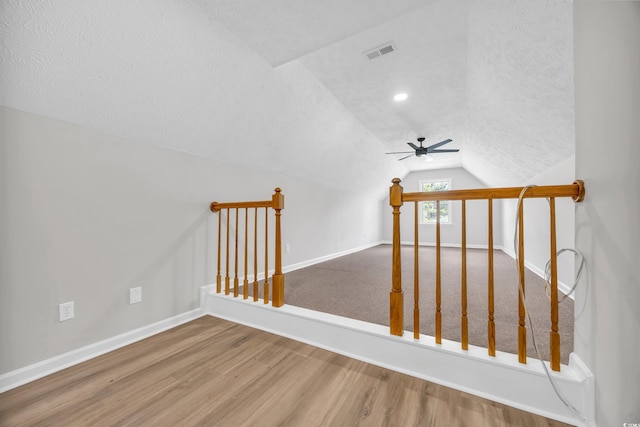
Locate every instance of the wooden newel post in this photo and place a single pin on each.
(396, 298)
(278, 277)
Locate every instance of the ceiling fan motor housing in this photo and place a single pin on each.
(422, 151)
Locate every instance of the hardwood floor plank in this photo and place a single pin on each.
(265, 388)
(328, 386)
(100, 371)
(213, 372)
(311, 380)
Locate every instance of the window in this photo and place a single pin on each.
(429, 211)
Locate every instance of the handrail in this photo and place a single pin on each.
(216, 206)
(575, 191)
(277, 280)
(396, 299)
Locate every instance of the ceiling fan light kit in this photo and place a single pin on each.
(426, 152)
(399, 97)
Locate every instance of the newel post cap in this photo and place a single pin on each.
(278, 199)
(395, 193)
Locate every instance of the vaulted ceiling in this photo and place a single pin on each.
(496, 76)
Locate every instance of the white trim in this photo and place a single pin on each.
(308, 263)
(500, 378)
(563, 287)
(46, 367)
(329, 257)
(443, 245)
(57, 363)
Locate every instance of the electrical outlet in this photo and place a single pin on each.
(135, 295)
(287, 248)
(66, 311)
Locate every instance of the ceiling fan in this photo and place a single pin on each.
(425, 151)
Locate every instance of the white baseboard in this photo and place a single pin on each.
(442, 245)
(563, 287)
(46, 367)
(40, 369)
(308, 263)
(304, 264)
(500, 378)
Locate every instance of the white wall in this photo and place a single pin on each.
(450, 234)
(166, 72)
(86, 215)
(536, 223)
(607, 70)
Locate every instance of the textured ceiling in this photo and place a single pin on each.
(520, 103)
(496, 76)
(429, 65)
(284, 30)
(284, 84)
(164, 72)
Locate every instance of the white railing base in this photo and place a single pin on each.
(500, 378)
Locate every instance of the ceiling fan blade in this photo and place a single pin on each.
(412, 145)
(405, 157)
(399, 152)
(446, 141)
(453, 150)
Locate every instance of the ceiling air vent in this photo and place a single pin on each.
(381, 50)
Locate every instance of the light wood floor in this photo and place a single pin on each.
(210, 372)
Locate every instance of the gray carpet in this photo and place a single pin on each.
(358, 285)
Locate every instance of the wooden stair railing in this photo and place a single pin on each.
(396, 308)
(277, 280)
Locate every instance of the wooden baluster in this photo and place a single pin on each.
(278, 278)
(235, 277)
(266, 256)
(554, 335)
(522, 329)
(396, 296)
(255, 254)
(226, 277)
(438, 277)
(464, 321)
(245, 282)
(218, 278)
(416, 279)
(491, 323)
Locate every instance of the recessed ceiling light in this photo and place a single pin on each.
(400, 96)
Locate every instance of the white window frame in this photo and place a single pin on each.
(448, 202)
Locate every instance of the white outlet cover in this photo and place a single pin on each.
(135, 295)
(66, 311)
